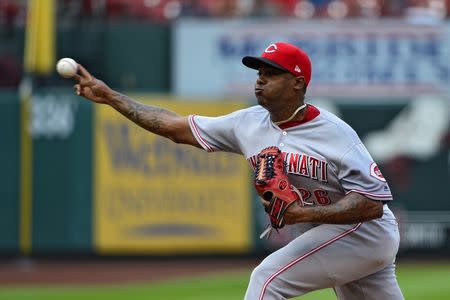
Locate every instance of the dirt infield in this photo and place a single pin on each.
(67, 272)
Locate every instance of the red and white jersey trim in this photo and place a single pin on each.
(327, 243)
(198, 136)
(371, 195)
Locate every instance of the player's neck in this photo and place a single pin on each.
(296, 115)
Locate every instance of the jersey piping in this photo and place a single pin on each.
(198, 136)
(371, 195)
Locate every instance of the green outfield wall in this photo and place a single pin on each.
(66, 176)
(126, 55)
(62, 173)
(9, 175)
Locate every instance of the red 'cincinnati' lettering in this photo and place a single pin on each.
(301, 164)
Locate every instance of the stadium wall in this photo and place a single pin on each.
(414, 159)
(71, 176)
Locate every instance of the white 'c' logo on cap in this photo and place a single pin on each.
(271, 48)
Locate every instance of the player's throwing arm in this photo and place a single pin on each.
(154, 119)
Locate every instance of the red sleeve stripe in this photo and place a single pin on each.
(370, 195)
(311, 252)
(197, 134)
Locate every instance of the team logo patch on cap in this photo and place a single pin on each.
(375, 172)
(271, 48)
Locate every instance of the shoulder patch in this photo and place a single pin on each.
(375, 172)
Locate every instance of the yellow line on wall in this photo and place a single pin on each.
(26, 171)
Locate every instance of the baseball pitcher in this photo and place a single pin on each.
(311, 169)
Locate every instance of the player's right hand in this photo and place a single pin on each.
(90, 87)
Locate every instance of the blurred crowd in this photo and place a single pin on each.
(13, 15)
(14, 11)
(164, 10)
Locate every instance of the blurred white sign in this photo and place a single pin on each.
(349, 58)
(52, 116)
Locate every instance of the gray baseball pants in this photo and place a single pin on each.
(356, 260)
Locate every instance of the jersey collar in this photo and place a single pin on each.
(311, 113)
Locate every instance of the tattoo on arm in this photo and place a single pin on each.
(144, 115)
(154, 119)
(353, 208)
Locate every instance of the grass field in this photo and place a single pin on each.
(418, 281)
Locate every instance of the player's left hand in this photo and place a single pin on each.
(292, 215)
(272, 184)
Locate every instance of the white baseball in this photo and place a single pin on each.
(67, 67)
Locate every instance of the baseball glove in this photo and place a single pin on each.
(272, 184)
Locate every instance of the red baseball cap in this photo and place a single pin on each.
(283, 56)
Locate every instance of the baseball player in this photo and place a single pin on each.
(347, 236)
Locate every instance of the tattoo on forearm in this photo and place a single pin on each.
(146, 116)
(353, 208)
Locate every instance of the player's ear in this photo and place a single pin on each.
(299, 83)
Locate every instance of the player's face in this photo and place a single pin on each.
(274, 87)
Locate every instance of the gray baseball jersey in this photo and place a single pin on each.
(325, 160)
